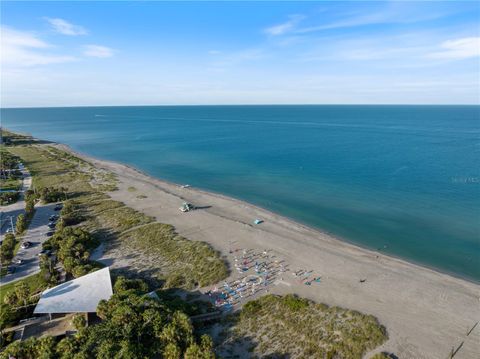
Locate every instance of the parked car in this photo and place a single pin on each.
(9, 230)
(58, 207)
(11, 270)
(17, 261)
(53, 217)
(52, 225)
(45, 251)
(51, 233)
(26, 244)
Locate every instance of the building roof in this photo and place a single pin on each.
(80, 295)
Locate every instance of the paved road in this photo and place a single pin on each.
(36, 234)
(14, 209)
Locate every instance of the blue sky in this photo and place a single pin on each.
(155, 53)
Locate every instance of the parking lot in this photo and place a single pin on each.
(36, 235)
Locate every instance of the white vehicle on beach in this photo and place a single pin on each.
(187, 207)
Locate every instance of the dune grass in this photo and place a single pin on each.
(299, 328)
(189, 263)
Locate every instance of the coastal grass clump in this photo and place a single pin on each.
(185, 263)
(119, 219)
(300, 328)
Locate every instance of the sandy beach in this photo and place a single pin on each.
(426, 313)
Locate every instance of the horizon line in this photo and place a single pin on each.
(246, 104)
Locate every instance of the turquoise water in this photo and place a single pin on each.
(405, 179)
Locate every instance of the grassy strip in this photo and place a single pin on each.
(291, 326)
(34, 282)
(10, 316)
(10, 184)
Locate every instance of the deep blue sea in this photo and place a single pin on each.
(403, 179)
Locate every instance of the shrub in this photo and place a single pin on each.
(21, 224)
(6, 250)
(8, 197)
(79, 321)
(49, 194)
(29, 208)
(124, 285)
(295, 303)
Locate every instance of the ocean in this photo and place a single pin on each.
(404, 180)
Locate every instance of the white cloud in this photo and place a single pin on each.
(285, 27)
(458, 49)
(98, 51)
(65, 28)
(23, 49)
(373, 14)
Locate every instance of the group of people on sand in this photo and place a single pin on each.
(306, 277)
(257, 270)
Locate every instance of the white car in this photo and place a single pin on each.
(9, 230)
(17, 261)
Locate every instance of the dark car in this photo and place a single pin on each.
(51, 233)
(52, 225)
(45, 251)
(58, 207)
(11, 270)
(53, 217)
(26, 244)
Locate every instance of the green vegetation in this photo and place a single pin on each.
(9, 299)
(8, 162)
(15, 139)
(52, 194)
(79, 321)
(188, 263)
(73, 246)
(10, 184)
(293, 326)
(8, 198)
(7, 249)
(10, 177)
(21, 224)
(134, 326)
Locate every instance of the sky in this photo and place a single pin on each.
(189, 53)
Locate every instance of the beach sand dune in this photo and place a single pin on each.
(426, 313)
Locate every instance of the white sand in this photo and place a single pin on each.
(426, 313)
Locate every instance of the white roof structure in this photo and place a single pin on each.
(80, 295)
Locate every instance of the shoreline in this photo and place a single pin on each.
(279, 216)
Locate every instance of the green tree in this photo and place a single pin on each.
(79, 321)
(29, 208)
(172, 351)
(6, 250)
(21, 224)
(22, 291)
